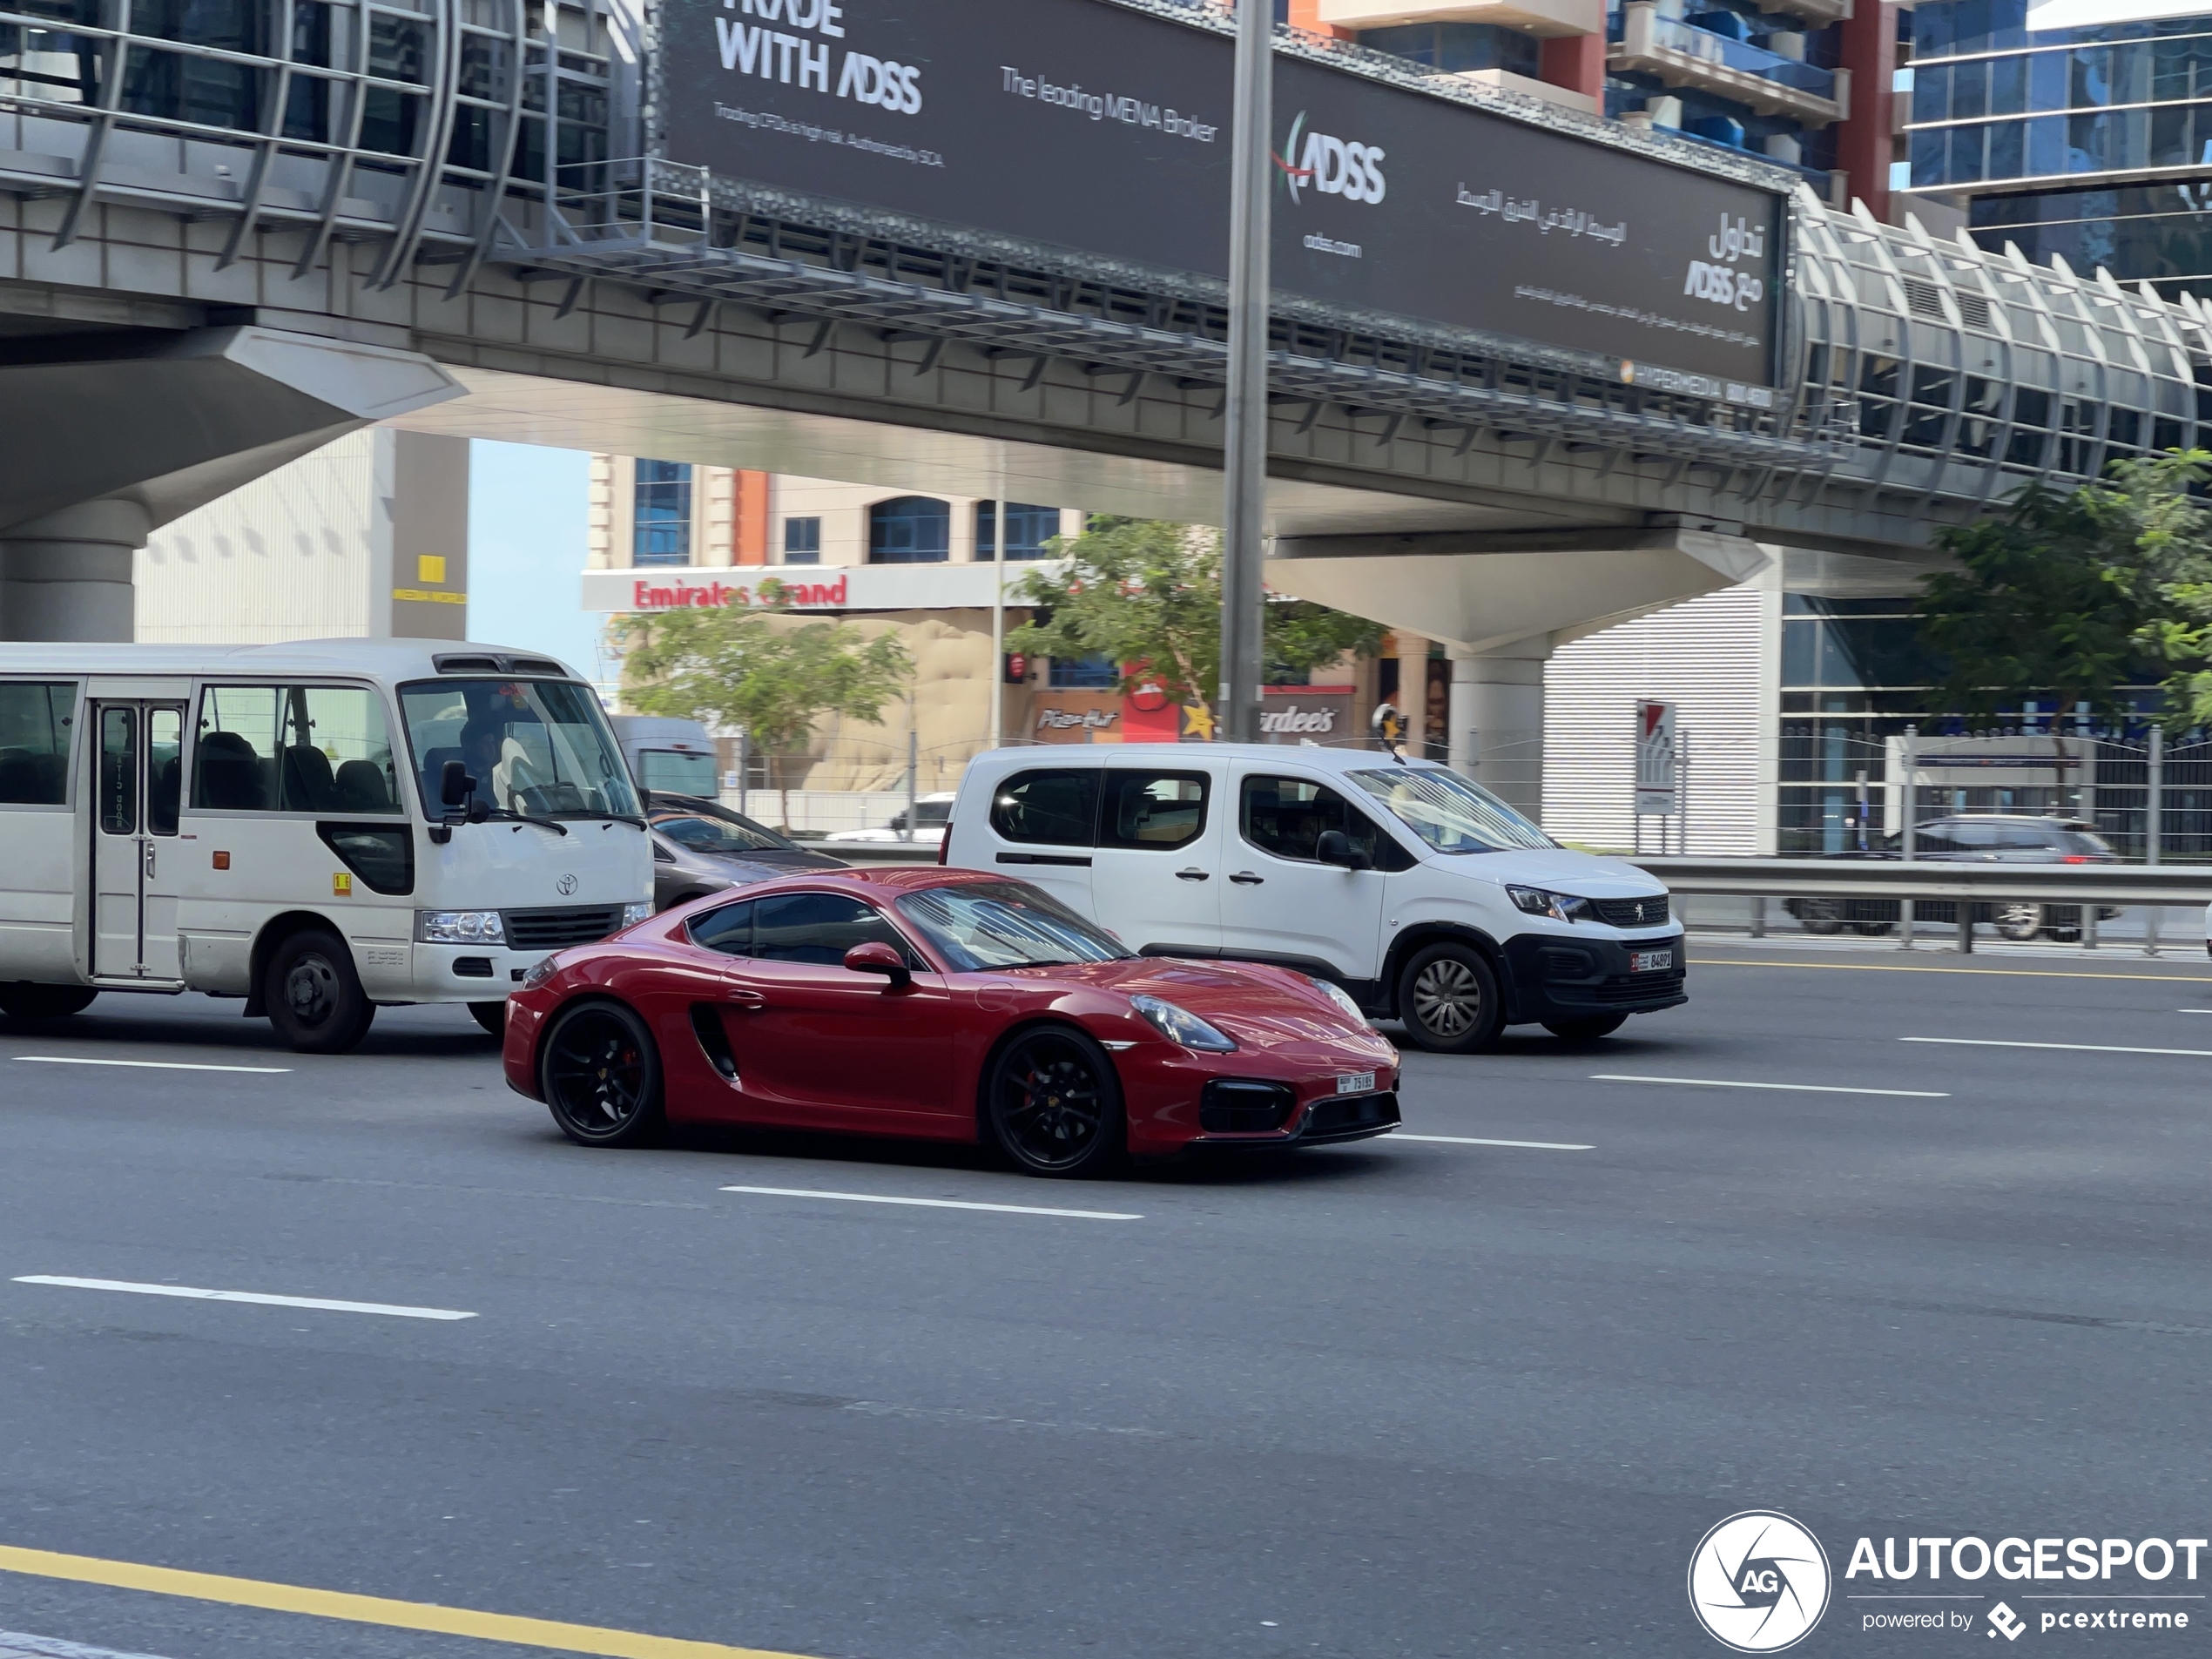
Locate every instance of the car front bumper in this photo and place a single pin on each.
(1558, 976)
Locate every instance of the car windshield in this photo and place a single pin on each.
(540, 748)
(707, 829)
(1449, 813)
(1005, 924)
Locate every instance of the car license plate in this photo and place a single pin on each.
(1355, 1083)
(1650, 961)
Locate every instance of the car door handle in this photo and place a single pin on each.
(1246, 878)
(1192, 875)
(752, 1002)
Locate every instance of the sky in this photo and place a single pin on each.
(526, 527)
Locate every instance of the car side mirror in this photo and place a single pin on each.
(876, 957)
(1335, 847)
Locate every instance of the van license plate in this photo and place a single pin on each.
(1355, 1083)
(1650, 961)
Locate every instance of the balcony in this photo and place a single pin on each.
(1819, 13)
(1544, 18)
(1682, 54)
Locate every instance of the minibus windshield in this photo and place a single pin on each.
(538, 748)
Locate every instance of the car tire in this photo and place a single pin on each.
(2019, 922)
(312, 996)
(1821, 915)
(1052, 1103)
(1589, 1030)
(1448, 999)
(490, 1016)
(22, 999)
(600, 1073)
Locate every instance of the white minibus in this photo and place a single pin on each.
(318, 828)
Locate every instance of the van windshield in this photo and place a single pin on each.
(1449, 813)
(540, 748)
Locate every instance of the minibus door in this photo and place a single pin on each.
(137, 787)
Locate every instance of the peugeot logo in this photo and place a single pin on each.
(565, 885)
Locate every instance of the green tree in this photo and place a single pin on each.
(1146, 594)
(2068, 595)
(758, 668)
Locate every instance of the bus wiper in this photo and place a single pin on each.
(524, 817)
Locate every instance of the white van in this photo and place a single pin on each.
(317, 828)
(1424, 896)
(675, 757)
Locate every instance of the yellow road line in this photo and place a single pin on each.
(368, 1609)
(1908, 967)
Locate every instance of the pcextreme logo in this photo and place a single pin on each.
(1329, 167)
(1758, 1582)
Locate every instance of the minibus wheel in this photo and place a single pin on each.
(22, 999)
(314, 997)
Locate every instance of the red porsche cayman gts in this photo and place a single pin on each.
(945, 1004)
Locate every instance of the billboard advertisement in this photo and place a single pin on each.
(1091, 126)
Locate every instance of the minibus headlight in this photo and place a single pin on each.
(460, 927)
(634, 913)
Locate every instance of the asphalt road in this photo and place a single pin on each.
(1404, 1398)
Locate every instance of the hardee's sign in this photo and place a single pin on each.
(647, 595)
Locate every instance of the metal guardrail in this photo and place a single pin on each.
(2095, 884)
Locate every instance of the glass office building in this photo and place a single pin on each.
(2090, 140)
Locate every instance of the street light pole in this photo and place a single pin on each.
(1244, 449)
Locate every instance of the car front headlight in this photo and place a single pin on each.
(1180, 1025)
(541, 971)
(460, 927)
(1342, 998)
(634, 913)
(1560, 906)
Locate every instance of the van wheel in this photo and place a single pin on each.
(1589, 1030)
(314, 998)
(490, 1016)
(21, 999)
(1448, 999)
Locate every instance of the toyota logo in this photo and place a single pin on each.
(565, 885)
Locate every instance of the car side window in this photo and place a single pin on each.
(1286, 817)
(1971, 837)
(727, 928)
(1156, 811)
(818, 928)
(2019, 838)
(1057, 807)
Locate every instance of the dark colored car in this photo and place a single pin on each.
(952, 1005)
(700, 847)
(1972, 838)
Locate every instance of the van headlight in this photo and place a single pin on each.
(634, 913)
(1560, 906)
(1180, 1025)
(1342, 998)
(460, 927)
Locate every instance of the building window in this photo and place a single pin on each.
(660, 525)
(1093, 673)
(911, 530)
(1027, 529)
(802, 541)
(1456, 48)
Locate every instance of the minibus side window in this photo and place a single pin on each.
(34, 742)
(294, 749)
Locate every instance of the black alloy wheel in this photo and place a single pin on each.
(313, 996)
(1055, 1104)
(1448, 999)
(490, 1016)
(22, 999)
(600, 1073)
(2019, 922)
(1589, 1030)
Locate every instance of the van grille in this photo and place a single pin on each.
(549, 929)
(1631, 913)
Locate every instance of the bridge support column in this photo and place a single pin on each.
(1497, 720)
(67, 576)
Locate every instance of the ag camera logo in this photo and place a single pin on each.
(1758, 1582)
(1331, 167)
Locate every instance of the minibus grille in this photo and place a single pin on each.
(549, 929)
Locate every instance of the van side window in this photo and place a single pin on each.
(1156, 811)
(1058, 808)
(1286, 816)
(294, 749)
(34, 742)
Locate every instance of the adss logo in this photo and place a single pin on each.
(1329, 167)
(1758, 1582)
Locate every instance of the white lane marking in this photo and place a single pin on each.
(1469, 1140)
(144, 1065)
(935, 1204)
(1794, 1088)
(196, 1295)
(2193, 1010)
(14, 1645)
(2078, 1048)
